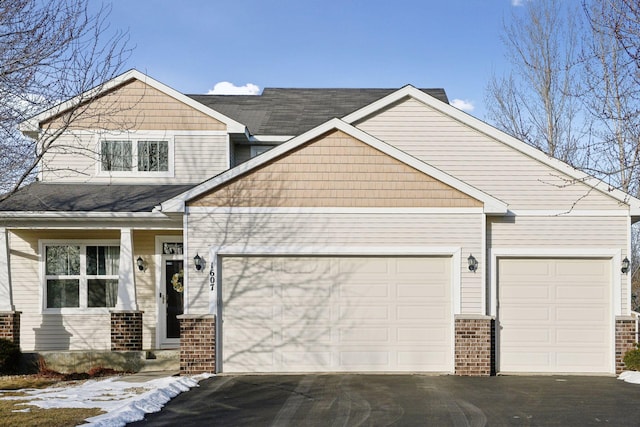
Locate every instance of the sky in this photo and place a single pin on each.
(192, 45)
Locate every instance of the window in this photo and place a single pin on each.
(153, 156)
(81, 275)
(116, 155)
(128, 156)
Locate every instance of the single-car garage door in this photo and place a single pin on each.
(554, 315)
(320, 314)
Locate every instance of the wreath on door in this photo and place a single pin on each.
(177, 281)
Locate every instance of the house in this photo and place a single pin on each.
(313, 230)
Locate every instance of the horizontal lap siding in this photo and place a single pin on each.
(197, 157)
(51, 332)
(338, 230)
(74, 331)
(477, 159)
(336, 170)
(138, 107)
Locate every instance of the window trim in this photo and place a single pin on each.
(134, 138)
(83, 287)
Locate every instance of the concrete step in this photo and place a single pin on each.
(161, 360)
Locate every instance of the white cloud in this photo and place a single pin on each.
(226, 88)
(517, 2)
(463, 104)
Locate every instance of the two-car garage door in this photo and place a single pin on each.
(554, 315)
(296, 314)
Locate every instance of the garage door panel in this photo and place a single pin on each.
(420, 312)
(358, 320)
(373, 290)
(581, 337)
(567, 331)
(436, 334)
(421, 291)
(364, 335)
(593, 293)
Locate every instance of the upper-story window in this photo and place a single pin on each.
(144, 156)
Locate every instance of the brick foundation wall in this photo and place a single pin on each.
(10, 326)
(475, 346)
(126, 331)
(625, 339)
(197, 344)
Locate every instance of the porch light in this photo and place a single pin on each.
(625, 265)
(473, 263)
(140, 263)
(198, 262)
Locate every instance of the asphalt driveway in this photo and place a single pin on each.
(402, 400)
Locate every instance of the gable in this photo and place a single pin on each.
(483, 161)
(140, 106)
(334, 170)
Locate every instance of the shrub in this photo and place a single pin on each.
(9, 356)
(632, 359)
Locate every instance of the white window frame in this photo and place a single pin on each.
(134, 138)
(83, 285)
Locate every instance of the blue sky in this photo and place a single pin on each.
(191, 45)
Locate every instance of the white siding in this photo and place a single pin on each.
(339, 230)
(197, 157)
(79, 331)
(477, 159)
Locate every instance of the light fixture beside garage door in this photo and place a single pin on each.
(625, 265)
(473, 263)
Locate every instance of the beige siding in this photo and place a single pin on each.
(569, 233)
(340, 230)
(197, 157)
(336, 170)
(51, 331)
(135, 105)
(74, 331)
(481, 161)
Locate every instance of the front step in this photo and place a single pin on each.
(161, 360)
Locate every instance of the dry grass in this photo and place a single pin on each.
(42, 417)
(11, 386)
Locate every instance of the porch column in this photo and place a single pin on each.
(126, 319)
(9, 318)
(6, 297)
(126, 279)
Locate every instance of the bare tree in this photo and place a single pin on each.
(534, 102)
(50, 51)
(611, 96)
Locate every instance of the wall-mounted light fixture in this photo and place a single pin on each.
(198, 262)
(140, 263)
(625, 265)
(473, 263)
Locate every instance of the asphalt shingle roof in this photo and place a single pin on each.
(46, 197)
(294, 111)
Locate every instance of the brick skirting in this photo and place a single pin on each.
(625, 339)
(126, 331)
(475, 346)
(197, 344)
(10, 326)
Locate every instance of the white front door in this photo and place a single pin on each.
(170, 293)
